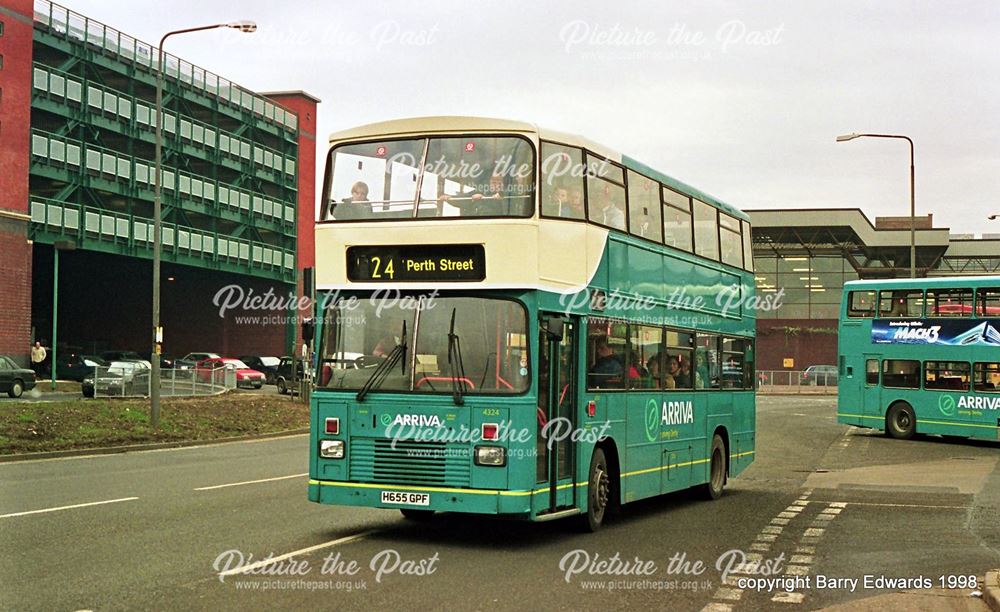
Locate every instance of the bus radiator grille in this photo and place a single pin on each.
(431, 463)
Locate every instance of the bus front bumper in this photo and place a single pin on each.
(440, 499)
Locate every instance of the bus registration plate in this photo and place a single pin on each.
(400, 497)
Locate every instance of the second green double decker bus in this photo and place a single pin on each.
(921, 356)
(521, 322)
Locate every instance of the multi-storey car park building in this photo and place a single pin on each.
(809, 254)
(77, 126)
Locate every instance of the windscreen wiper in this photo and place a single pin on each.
(456, 367)
(398, 353)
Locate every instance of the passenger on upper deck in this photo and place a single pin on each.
(608, 212)
(566, 204)
(354, 207)
(500, 198)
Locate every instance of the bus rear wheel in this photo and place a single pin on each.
(598, 492)
(712, 489)
(900, 422)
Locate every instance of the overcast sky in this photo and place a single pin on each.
(742, 100)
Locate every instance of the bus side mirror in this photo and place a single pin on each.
(554, 328)
(308, 330)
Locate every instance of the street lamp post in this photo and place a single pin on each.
(58, 245)
(913, 217)
(154, 379)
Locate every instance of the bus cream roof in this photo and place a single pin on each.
(412, 126)
(459, 124)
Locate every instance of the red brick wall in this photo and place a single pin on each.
(15, 118)
(305, 107)
(807, 341)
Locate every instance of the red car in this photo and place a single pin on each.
(245, 376)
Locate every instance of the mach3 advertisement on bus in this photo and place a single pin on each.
(949, 332)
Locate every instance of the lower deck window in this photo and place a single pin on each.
(900, 373)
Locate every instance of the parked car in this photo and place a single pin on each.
(77, 367)
(822, 375)
(125, 356)
(118, 378)
(14, 379)
(283, 376)
(267, 365)
(245, 376)
(190, 360)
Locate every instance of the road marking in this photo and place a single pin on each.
(793, 598)
(271, 560)
(717, 607)
(729, 594)
(797, 570)
(760, 546)
(780, 521)
(814, 531)
(881, 505)
(238, 484)
(98, 503)
(801, 559)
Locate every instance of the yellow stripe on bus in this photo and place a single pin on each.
(919, 421)
(364, 485)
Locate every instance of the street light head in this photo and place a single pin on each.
(243, 26)
(846, 137)
(993, 217)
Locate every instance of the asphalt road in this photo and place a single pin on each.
(824, 498)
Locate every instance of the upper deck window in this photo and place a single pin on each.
(706, 230)
(562, 182)
(463, 176)
(643, 206)
(677, 220)
(901, 303)
(605, 193)
(949, 302)
(988, 302)
(731, 240)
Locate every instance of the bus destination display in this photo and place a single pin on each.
(416, 262)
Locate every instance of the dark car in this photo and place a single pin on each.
(822, 375)
(283, 376)
(14, 379)
(77, 367)
(267, 365)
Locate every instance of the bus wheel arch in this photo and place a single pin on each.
(718, 466)
(900, 420)
(614, 472)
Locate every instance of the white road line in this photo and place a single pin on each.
(793, 598)
(247, 568)
(238, 484)
(717, 607)
(98, 503)
(728, 594)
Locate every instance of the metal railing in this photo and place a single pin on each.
(797, 381)
(174, 382)
(73, 25)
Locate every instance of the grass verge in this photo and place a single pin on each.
(51, 426)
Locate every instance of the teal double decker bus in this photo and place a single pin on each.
(519, 322)
(921, 356)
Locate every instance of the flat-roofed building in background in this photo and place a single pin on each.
(808, 254)
(77, 115)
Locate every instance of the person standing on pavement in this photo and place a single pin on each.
(38, 355)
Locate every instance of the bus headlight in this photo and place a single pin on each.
(331, 449)
(491, 456)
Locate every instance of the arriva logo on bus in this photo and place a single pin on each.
(671, 413)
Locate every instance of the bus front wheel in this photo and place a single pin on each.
(598, 491)
(712, 489)
(901, 423)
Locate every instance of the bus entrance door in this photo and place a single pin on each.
(556, 413)
(871, 401)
